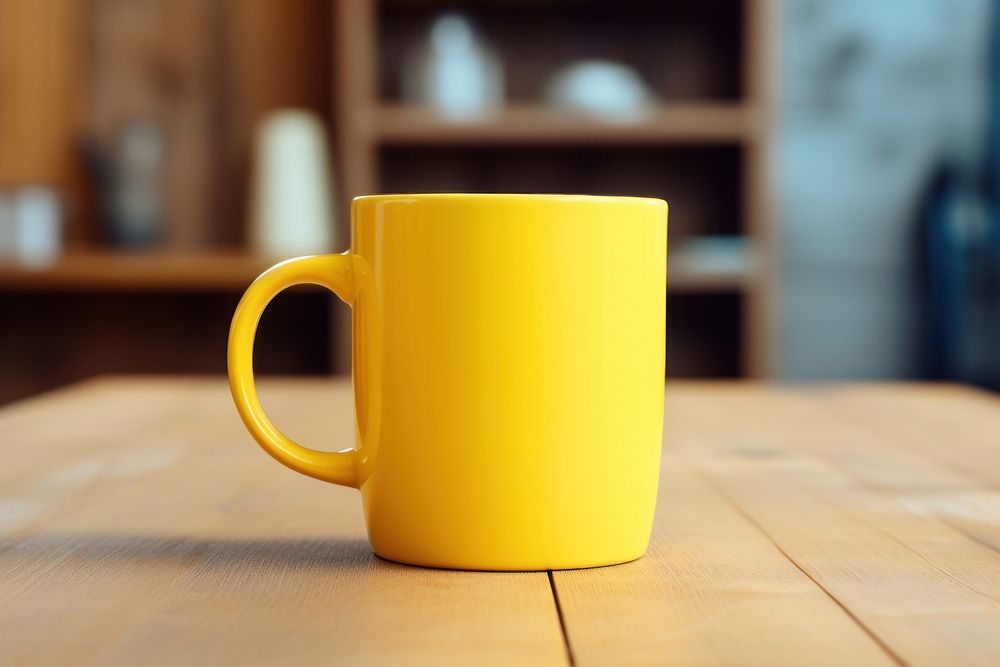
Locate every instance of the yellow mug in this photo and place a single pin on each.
(508, 365)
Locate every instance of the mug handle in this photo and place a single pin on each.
(336, 273)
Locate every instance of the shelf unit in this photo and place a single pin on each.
(703, 147)
(707, 142)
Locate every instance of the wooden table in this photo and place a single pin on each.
(845, 525)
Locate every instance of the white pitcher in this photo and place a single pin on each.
(292, 207)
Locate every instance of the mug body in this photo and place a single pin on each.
(508, 369)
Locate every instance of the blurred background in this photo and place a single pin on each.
(831, 166)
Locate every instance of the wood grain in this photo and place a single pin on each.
(956, 429)
(713, 589)
(928, 592)
(143, 537)
(796, 525)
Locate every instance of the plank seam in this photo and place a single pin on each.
(972, 536)
(742, 512)
(867, 428)
(562, 621)
(853, 417)
(875, 527)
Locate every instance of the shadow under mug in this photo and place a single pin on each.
(508, 364)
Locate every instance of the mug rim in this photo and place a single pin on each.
(495, 196)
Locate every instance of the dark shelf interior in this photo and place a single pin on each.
(686, 50)
(64, 337)
(703, 335)
(702, 184)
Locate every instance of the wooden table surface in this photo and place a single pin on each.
(840, 525)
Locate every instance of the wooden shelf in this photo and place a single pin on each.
(680, 123)
(710, 265)
(695, 266)
(129, 271)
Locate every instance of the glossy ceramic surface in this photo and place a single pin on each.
(508, 366)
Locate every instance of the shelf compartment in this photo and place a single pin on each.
(702, 184)
(60, 336)
(704, 334)
(683, 49)
(710, 264)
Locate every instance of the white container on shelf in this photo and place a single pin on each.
(291, 207)
(603, 88)
(38, 226)
(455, 72)
(8, 238)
